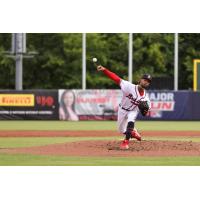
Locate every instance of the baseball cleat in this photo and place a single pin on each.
(124, 144)
(136, 135)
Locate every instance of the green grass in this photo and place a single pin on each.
(98, 125)
(41, 160)
(14, 142)
(36, 160)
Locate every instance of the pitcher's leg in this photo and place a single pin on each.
(130, 131)
(122, 121)
(122, 124)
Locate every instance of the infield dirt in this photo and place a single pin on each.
(107, 148)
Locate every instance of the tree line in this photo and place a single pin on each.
(58, 62)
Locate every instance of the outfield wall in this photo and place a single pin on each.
(93, 105)
(29, 105)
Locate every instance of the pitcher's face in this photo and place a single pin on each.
(144, 83)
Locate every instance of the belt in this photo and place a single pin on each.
(124, 108)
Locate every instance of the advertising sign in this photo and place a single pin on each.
(41, 104)
(103, 105)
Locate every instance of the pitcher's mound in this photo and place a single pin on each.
(112, 148)
(159, 148)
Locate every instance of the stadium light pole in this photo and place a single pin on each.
(130, 57)
(19, 72)
(84, 61)
(176, 61)
(18, 53)
(19, 48)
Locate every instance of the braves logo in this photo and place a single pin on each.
(133, 100)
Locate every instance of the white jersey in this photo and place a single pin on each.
(131, 96)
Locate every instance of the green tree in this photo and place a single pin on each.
(189, 49)
(58, 63)
(153, 53)
(7, 69)
(112, 52)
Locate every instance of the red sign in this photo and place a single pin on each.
(45, 100)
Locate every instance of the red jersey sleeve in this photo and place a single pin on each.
(112, 76)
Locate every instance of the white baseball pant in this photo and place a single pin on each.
(124, 117)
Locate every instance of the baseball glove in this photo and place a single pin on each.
(143, 107)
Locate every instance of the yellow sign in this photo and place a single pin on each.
(196, 75)
(17, 100)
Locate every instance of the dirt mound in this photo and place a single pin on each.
(111, 148)
(157, 146)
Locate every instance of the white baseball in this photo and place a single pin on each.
(94, 59)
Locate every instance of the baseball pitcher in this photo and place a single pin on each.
(134, 100)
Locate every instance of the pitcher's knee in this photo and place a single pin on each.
(121, 129)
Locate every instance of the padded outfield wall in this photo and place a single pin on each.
(93, 105)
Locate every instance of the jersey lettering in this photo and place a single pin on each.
(132, 100)
(131, 96)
